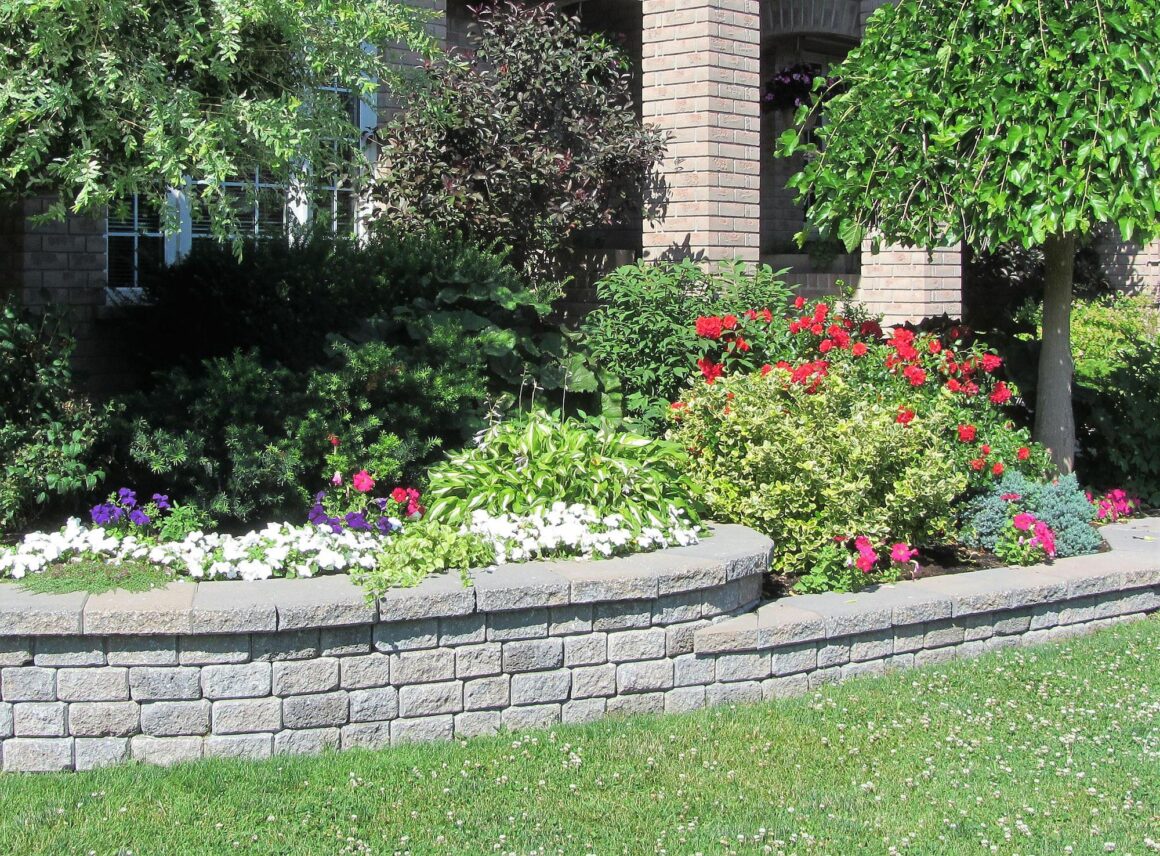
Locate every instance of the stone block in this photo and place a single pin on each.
(587, 650)
(462, 630)
(680, 639)
(997, 643)
(104, 718)
(423, 667)
(1078, 611)
(933, 656)
(1018, 621)
(582, 710)
(684, 699)
(871, 646)
(972, 649)
(15, 650)
(691, 670)
(424, 728)
(39, 719)
(899, 662)
(5, 720)
(745, 666)
(28, 683)
(782, 624)
(909, 638)
(594, 681)
(833, 653)
(571, 619)
(1126, 603)
(107, 684)
(418, 700)
(176, 718)
(786, 686)
(729, 636)
(251, 747)
(307, 676)
(326, 601)
(91, 753)
(533, 655)
(844, 615)
(38, 755)
(69, 651)
(213, 650)
(247, 716)
(791, 659)
(159, 610)
(729, 597)
(165, 750)
(521, 624)
(324, 710)
(164, 683)
(619, 579)
(344, 641)
(744, 692)
(821, 677)
(141, 651)
(374, 705)
(644, 677)
(533, 716)
(24, 613)
(939, 634)
(437, 596)
(247, 680)
(1044, 616)
(487, 693)
(636, 704)
(233, 606)
(621, 615)
(301, 644)
(363, 672)
(868, 667)
(406, 635)
(541, 687)
(522, 587)
(307, 741)
(629, 645)
(477, 723)
(978, 626)
(476, 661)
(677, 608)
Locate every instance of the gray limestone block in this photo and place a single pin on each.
(374, 705)
(724, 637)
(39, 719)
(365, 735)
(569, 620)
(936, 655)
(692, 670)
(306, 741)
(477, 723)
(821, 677)
(744, 692)
(677, 608)
(1015, 621)
(589, 650)
(38, 755)
(424, 728)
(24, 613)
(165, 750)
(791, 659)
(28, 683)
(316, 711)
(252, 747)
(396, 636)
(1078, 610)
(844, 615)
(431, 699)
(477, 661)
(437, 596)
(526, 586)
(1125, 603)
(781, 623)
(1034, 637)
(344, 641)
(532, 716)
(326, 601)
(247, 716)
(578, 711)
(487, 693)
(635, 704)
(594, 681)
(745, 666)
(908, 638)
(176, 718)
(868, 667)
(213, 650)
(107, 684)
(899, 662)
(141, 651)
(981, 625)
(462, 630)
(939, 634)
(91, 753)
(541, 687)
(520, 624)
(622, 615)
(871, 646)
(996, 643)
(233, 606)
(364, 672)
(423, 667)
(684, 699)
(681, 638)
(533, 655)
(729, 597)
(306, 676)
(1044, 615)
(69, 651)
(620, 579)
(164, 683)
(300, 644)
(629, 645)
(104, 718)
(246, 680)
(160, 610)
(15, 650)
(834, 652)
(5, 720)
(785, 686)
(644, 677)
(974, 648)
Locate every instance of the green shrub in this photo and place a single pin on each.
(48, 433)
(642, 340)
(423, 547)
(531, 462)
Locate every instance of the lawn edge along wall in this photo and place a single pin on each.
(253, 669)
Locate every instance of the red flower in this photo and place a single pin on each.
(750, 314)
(729, 321)
(782, 364)
(820, 312)
(977, 465)
(799, 302)
(991, 362)
(795, 326)
(967, 433)
(915, 375)
(970, 388)
(399, 495)
(709, 326)
(741, 345)
(766, 369)
(816, 329)
(954, 386)
(859, 349)
(904, 416)
(870, 328)
(1023, 453)
(678, 405)
(825, 346)
(709, 369)
(998, 468)
(334, 441)
(985, 449)
(766, 315)
(934, 346)
(1001, 395)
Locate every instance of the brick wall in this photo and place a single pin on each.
(1129, 266)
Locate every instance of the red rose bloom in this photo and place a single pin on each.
(954, 386)
(816, 329)
(729, 322)
(904, 416)
(1001, 395)
(998, 468)
(709, 326)
(935, 346)
(977, 465)
(967, 433)
(766, 369)
(709, 369)
(859, 349)
(766, 315)
(820, 312)
(1023, 453)
(915, 375)
(741, 345)
(799, 302)
(985, 449)
(825, 346)
(991, 362)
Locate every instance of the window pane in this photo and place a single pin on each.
(120, 260)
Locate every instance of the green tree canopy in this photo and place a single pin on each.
(995, 121)
(103, 98)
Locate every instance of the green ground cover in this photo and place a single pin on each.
(1046, 750)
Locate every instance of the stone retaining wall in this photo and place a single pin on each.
(290, 666)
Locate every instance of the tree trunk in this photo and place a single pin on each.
(1054, 419)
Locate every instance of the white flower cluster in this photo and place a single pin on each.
(576, 530)
(279, 549)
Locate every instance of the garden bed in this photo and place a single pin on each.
(287, 666)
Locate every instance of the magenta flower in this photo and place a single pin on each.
(902, 553)
(1023, 521)
(336, 479)
(363, 482)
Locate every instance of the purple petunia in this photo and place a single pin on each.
(139, 518)
(127, 497)
(161, 501)
(357, 521)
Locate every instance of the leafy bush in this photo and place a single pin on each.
(422, 548)
(530, 463)
(1061, 504)
(521, 142)
(48, 433)
(640, 339)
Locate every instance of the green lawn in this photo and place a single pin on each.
(1030, 751)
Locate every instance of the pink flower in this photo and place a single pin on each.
(867, 557)
(902, 553)
(1045, 537)
(336, 479)
(363, 482)
(1023, 521)
(1010, 497)
(399, 495)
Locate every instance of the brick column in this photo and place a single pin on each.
(701, 70)
(908, 284)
